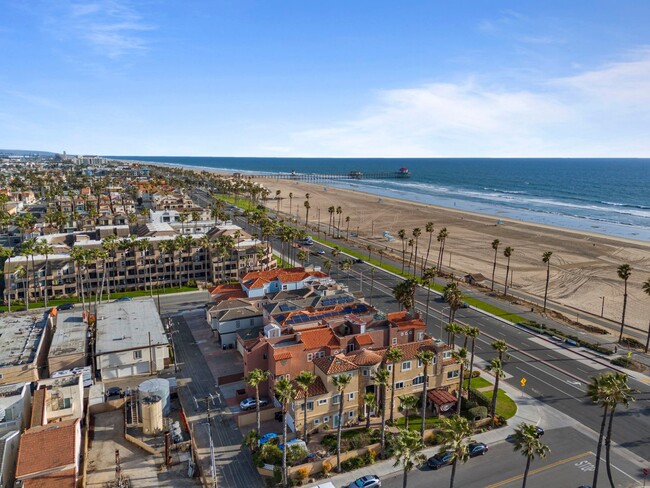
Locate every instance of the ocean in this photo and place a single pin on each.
(606, 196)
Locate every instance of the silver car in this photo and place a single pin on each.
(368, 481)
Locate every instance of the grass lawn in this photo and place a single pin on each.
(506, 406)
(415, 421)
(477, 383)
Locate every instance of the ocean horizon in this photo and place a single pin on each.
(602, 195)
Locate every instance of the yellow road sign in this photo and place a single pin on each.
(523, 382)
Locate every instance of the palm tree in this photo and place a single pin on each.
(410, 244)
(290, 202)
(454, 298)
(346, 265)
(407, 403)
(304, 380)
(526, 441)
(369, 402)
(145, 246)
(45, 249)
(460, 356)
(442, 238)
(495, 246)
(340, 382)
(507, 252)
(254, 378)
(417, 232)
(331, 211)
(472, 333)
(453, 433)
(599, 391)
(546, 258)
(6, 253)
(393, 355)
(426, 358)
(22, 274)
(407, 452)
(620, 394)
(429, 230)
(404, 293)
(496, 368)
(277, 198)
(402, 235)
(646, 288)
(347, 229)
(624, 271)
(382, 378)
(339, 212)
(286, 394)
(452, 330)
(307, 207)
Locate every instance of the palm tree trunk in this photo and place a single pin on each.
(494, 268)
(505, 287)
(620, 335)
(426, 259)
(548, 275)
(453, 473)
(257, 409)
(405, 479)
(471, 370)
(392, 394)
(426, 313)
(460, 388)
(338, 435)
(367, 416)
(608, 445)
(424, 400)
(493, 407)
(9, 286)
(526, 472)
(600, 447)
(304, 422)
(46, 275)
(285, 471)
(383, 420)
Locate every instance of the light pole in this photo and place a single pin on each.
(442, 314)
(602, 308)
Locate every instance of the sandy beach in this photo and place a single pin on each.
(583, 265)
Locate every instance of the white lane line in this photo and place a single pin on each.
(552, 386)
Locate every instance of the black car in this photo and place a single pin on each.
(358, 261)
(477, 449)
(114, 391)
(539, 430)
(65, 306)
(441, 459)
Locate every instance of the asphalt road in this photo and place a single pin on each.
(569, 464)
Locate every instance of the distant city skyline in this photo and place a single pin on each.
(326, 79)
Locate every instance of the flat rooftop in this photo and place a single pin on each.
(20, 336)
(126, 325)
(71, 335)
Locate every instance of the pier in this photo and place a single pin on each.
(352, 175)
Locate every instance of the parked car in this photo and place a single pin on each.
(267, 437)
(368, 481)
(320, 251)
(441, 459)
(250, 403)
(123, 299)
(114, 391)
(358, 261)
(477, 449)
(65, 306)
(540, 431)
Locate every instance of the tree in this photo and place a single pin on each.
(277, 198)
(624, 272)
(453, 330)
(599, 392)
(417, 232)
(346, 265)
(304, 380)
(22, 274)
(546, 258)
(7, 253)
(382, 378)
(442, 238)
(347, 228)
(290, 203)
(496, 368)
(340, 382)
(402, 235)
(507, 252)
(407, 452)
(454, 298)
(369, 402)
(527, 442)
(472, 333)
(407, 404)
(454, 432)
(254, 378)
(404, 293)
(426, 358)
(331, 211)
(428, 280)
(302, 256)
(285, 394)
(429, 230)
(393, 355)
(339, 212)
(307, 207)
(45, 249)
(646, 290)
(495, 246)
(620, 393)
(460, 356)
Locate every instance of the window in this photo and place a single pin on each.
(365, 371)
(310, 406)
(326, 419)
(336, 399)
(322, 401)
(310, 356)
(351, 414)
(389, 367)
(350, 396)
(393, 341)
(419, 363)
(316, 421)
(251, 322)
(406, 365)
(446, 355)
(350, 347)
(137, 354)
(452, 374)
(418, 380)
(420, 336)
(320, 354)
(399, 385)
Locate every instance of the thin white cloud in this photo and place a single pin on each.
(601, 112)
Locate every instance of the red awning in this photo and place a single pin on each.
(441, 398)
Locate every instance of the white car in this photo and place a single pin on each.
(369, 481)
(250, 403)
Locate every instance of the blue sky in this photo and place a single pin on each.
(332, 78)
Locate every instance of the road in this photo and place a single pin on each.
(555, 375)
(569, 464)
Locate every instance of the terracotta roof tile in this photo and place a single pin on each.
(257, 279)
(411, 349)
(317, 338)
(47, 447)
(441, 397)
(364, 340)
(60, 479)
(365, 357)
(281, 355)
(334, 364)
(315, 389)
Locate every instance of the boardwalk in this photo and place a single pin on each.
(352, 175)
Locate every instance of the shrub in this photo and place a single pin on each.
(277, 475)
(480, 398)
(268, 454)
(632, 342)
(327, 467)
(477, 413)
(301, 474)
(296, 454)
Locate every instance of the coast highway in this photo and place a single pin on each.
(554, 375)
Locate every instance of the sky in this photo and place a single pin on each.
(351, 78)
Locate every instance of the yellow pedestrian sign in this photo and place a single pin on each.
(523, 382)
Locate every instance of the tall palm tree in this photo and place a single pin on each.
(29, 248)
(254, 378)
(331, 211)
(429, 230)
(277, 198)
(109, 244)
(369, 402)
(339, 212)
(346, 265)
(472, 333)
(408, 447)
(145, 247)
(453, 330)
(496, 368)
(402, 235)
(454, 433)
(495, 246)
(454, 298)
(546, 258)
(507, 252)
(599, 390)
(285, 394)
(646, 289)
(620, 394)
(22, 274)
(442, 239)
(404, 293)
(428, 280)
(347, 227)
(6, 253)
(393, 355)
(460, 356)
(382, 380)
(624, 272)
(426, 358)
(304, 380)
(526, 441)
(417, 232)
(307, 207)
(407, 404)
(45, 249)
(340, 382)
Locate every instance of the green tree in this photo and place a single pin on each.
(426, 358)
(599, 390)
(507, 252)
(620, 394)
(45, 249)
(382, 379)
(407, 404)
(340, 382)
(307, 207)
(527, 442)
(404, 293)
(495, 246)
(624, 272)
(393, 355)
(472, 333)
(496, 368)
(402, 235)
(408, 446)
(546, 258)
(369, 402)
(442, 239)
(454, 433)
(254, 378)
(304, 380)
(454, 298)
(417, 232)
(460, 356)
(285, 394)
(428, 280)
(429, 230)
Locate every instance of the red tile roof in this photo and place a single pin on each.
(364, 340)
(411, 349)
(315, 389)
(334, 364)
(60, 479)
(46, 448)
(228, 292)
(257, 279)
(281, 355)
(317, 338)
(365, 357)
(441, 397)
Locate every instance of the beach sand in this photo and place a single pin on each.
(583, 265)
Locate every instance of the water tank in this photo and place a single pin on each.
(152, 415)
(158, 387)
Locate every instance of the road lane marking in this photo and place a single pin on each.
(539, 470)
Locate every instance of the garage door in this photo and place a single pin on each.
(125, 371)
